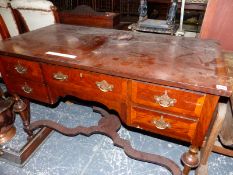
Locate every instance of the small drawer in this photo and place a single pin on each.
(29, 89)
(83, 81)
(168, 99)
(22, 68)
(163, 123)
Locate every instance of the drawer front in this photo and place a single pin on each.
(99, 85)
(29, 89)
(163, 123)
(168, 99)
(22, 68)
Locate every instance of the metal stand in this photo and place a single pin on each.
(180, 31)
(152, 25)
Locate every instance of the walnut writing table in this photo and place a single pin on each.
(162, 84)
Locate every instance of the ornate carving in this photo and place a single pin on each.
(27, 89)
(165, 100)
(161, 123)
(60, 76)
(104, 86)
(20, 69)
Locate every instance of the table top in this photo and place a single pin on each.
(187, 63)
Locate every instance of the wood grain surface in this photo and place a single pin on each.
(179, 62)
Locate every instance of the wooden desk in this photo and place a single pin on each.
(162, 84)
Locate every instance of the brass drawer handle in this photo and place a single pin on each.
(26, 88)
(165, 100)
(104, 86)
(60, 76)
(161, 124)
(20, 69)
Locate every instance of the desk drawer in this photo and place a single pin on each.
(163, 123)
(97, 85)
(168, 99)
(22, 68)
(29, 89)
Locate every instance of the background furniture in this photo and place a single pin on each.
(218, 23)
(9, 18)
(85, 15)
(124, 7)
(4, 33)
(36, 14)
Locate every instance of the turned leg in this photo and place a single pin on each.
(23, 108)
(190, 159)
(207, 149)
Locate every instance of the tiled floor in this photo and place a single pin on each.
(95, 155)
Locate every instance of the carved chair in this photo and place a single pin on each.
(7, 116)
(4, 33)
(9, 19)
(35, 14)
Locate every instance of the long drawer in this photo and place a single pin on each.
(163, 123)
(20, 68)
(167, 99)
(84, 83)
(29, 89)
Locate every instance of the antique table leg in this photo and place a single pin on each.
(190, 159)
(206, 150)
(23, 108)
